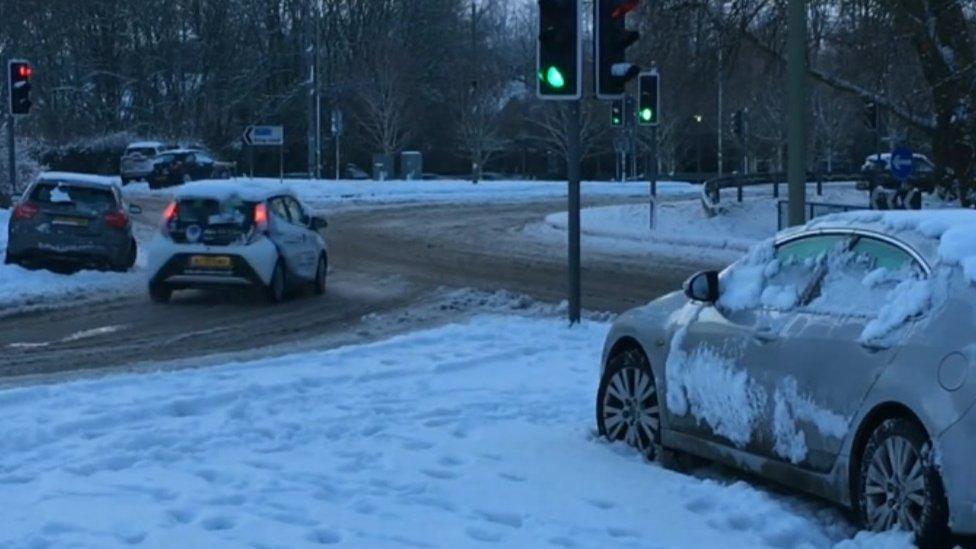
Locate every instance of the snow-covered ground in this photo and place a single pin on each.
(460, 436)
(682, 230)
(330, 194)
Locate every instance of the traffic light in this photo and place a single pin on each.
(649, 98)
(617, 113)
(560, 53)
(18, 86)
(871, 114)
(739, 123)
(611, 41)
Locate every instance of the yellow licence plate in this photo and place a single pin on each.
(71, 221)
(211, 262)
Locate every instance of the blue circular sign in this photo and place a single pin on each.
(902, 163)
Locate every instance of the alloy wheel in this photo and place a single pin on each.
(630, 409)
(894, 489)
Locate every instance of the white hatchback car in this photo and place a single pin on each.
(221, 234)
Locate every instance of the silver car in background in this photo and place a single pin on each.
(138, 159)
(838, 358)
(74, 221)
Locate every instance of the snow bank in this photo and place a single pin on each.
(450, 437)
(681, 229)
(324, 193)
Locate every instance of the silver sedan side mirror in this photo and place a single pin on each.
(703, 287)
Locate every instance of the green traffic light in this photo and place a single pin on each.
(646, 114)
(555, 78)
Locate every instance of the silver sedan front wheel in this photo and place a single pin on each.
(900, 488)
(627, 403)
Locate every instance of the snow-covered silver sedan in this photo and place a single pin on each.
(838, 358)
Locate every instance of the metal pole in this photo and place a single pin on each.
(12, 158)
(653, 167)
(721, 120)
(573, 172)
(338, 170)
(796, 84)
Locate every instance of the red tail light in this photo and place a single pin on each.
(169, 216)
(261, 216)
(116, 220)
(169, 213)
(27, 210)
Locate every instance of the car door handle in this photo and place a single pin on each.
(873, 348)
(765, 335)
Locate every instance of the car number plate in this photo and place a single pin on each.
(210, 262)
(70, 221)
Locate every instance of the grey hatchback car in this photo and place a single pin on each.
(72, 221)
(837, 358)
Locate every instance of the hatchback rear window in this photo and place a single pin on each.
(144, 151)
(208, 212)
(84, 199)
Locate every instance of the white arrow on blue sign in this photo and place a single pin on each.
(902, 163)
(264, 135)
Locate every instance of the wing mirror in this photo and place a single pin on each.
(135, 210)
(703, 287)
(319, 223)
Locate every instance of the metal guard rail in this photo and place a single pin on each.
(712, 189)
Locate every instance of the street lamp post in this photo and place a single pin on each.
(797, 92)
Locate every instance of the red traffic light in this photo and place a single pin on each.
(624, 8)
(24, 71)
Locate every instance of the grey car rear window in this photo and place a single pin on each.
(84, 199)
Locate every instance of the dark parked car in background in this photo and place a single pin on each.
(137, 161)
(184, 165)
(72, 221)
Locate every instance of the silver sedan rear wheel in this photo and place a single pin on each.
(627, 403)
(900, 486)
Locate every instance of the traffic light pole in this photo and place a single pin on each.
(573, 172)
(796, 84)
(12, 158)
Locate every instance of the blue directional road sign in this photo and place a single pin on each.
(902, 164)
(264, 135)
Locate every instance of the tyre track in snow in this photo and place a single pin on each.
(384, 260)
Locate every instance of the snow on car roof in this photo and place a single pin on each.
(223, 189)
(140, 144)
(79, 178)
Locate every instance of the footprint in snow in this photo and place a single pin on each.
(621, 532)
(450, 461)
(180, 516)
(417, 445)
(481, 534)
(217, 523)
(439, 474)
(601, 504)
(512, 477)
(512, 520)
(323, 536)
